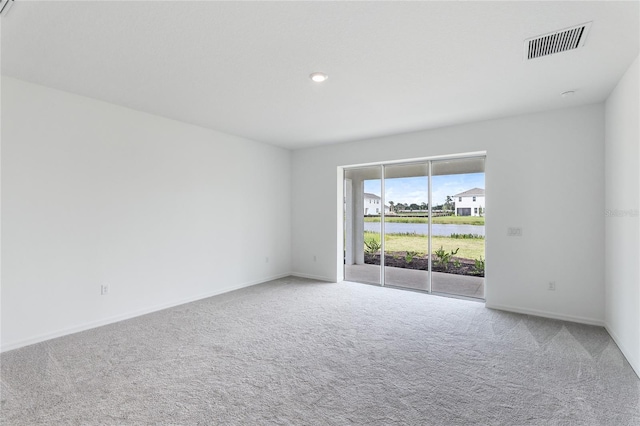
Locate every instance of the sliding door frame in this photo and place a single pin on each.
(382, 225)
(426, 160)
(429, 227)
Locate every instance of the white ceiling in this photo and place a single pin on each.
(243, 67)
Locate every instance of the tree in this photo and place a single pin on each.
(448, 204)
(414, 206)
(424, 206)
(391, 203)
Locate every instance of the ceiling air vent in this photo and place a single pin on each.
(556, 42)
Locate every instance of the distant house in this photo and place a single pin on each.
(470, 203)
(372, 204)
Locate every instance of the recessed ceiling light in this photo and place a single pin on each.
(318, 77)
(568, 93)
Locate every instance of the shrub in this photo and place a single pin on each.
(410, 255)
(478, 267)
(468, 236)
(443, 257)
(372, 246)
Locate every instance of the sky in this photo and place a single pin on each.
(414, 189)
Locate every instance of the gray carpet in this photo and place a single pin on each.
(299, 352)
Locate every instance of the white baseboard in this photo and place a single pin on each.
(313, 277)
(110, 320)
(634, 362)
(546, 314)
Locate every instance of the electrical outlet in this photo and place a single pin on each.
(552, 286)
(514, 232)
(104, 289)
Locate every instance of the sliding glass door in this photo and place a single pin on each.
(457, 242)
(406, 226)
(417, 225)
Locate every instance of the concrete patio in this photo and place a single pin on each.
(459, 285)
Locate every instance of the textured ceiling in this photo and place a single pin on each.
(243, 67)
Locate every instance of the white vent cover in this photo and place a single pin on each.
(556, 42)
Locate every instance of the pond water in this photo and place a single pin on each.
(423, 228)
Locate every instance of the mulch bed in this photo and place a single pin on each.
(397, 260)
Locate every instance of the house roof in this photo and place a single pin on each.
(471, 192)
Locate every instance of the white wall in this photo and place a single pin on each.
(622, 165)
(372, 206)
(548, 156)
(467, 202)
(94, 193)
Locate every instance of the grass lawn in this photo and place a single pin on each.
(469, 248)
(459, 220)
(443, 220)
